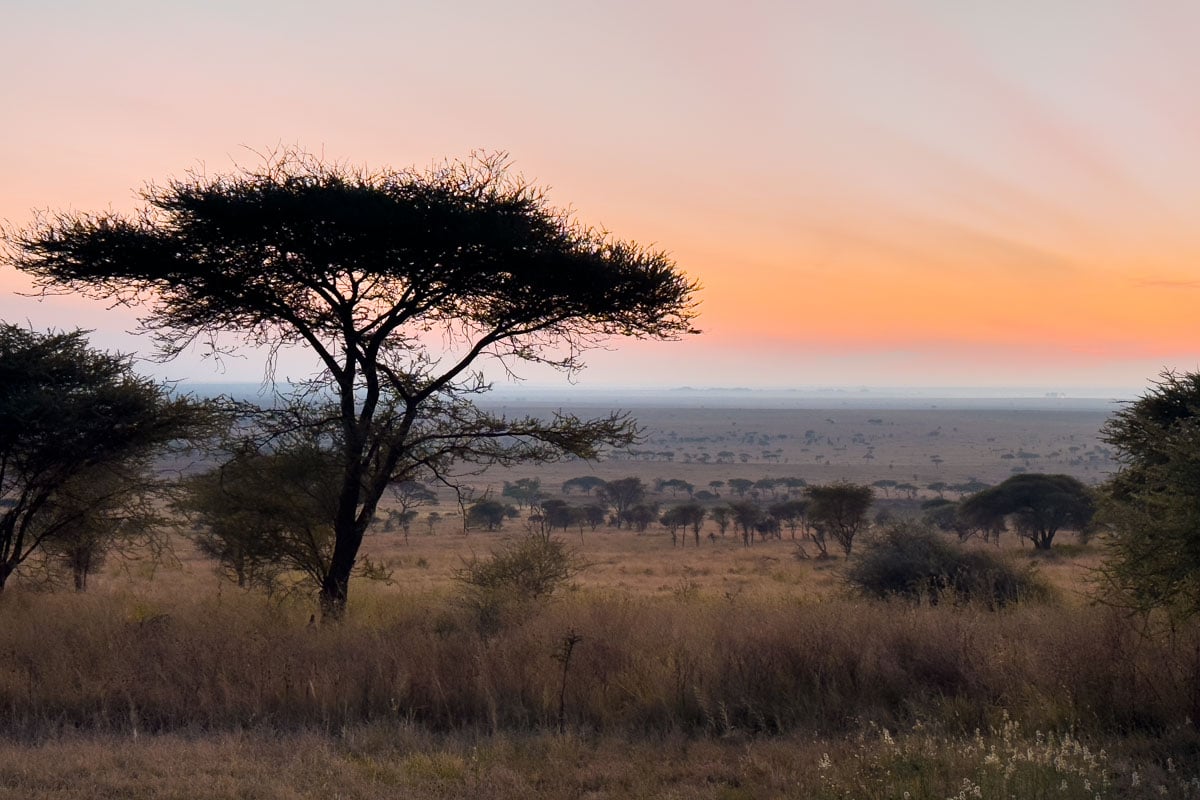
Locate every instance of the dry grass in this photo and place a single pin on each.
(698, 665)
(714, 672)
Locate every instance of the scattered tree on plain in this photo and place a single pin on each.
(839, 510)
(623, 494)
(1040, 505)
(401, 284)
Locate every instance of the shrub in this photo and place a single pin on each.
(910, 560)
(523, 571)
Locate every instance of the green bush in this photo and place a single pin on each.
(910, 560)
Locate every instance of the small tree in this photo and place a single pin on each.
(487, 514)
(1041, 505)
(721, 516)
(262, 515)
(77, 428)
(526, 491)
(399, 283)
(623, 494)
(840, 510)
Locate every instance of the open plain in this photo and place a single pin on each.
(708, 668)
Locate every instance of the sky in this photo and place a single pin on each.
(870, 192)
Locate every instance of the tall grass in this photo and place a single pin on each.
(696, 666)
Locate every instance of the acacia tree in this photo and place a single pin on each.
(839, 510)
(399, 282)
(1041, 505)
(77, 428)
(1153, 502)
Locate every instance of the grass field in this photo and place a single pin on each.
(716, 670)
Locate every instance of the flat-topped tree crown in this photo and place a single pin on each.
(368, 269)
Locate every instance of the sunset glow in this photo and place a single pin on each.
(934, 193)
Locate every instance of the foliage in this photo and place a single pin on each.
(526, 491)
(839, 510)
(1153, 506)
(525, 570)
(399, 282)
(585, 483)
(623, 494)
(262, 515)
(77, 431)
(1039, 504)
(487, 514)
(909, 560)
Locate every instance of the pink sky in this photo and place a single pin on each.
(932, 193)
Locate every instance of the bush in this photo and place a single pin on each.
(523, 571)
(910, 560)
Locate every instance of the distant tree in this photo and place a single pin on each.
(557, 514)
(676, 485)
(399, 282)
(885, 485)
(1040, 505)
(405, 520)
(740, 486)
(746, 514)
(1153, 501)
(487, 514)
(431, 520)
(840, 510)
(77, 432)
(767, 485)
(640, 516)
(794, 485)
(584, 484)
(594, 515)
(526, 491)
(623, 494)
(672, 519)
(721, 515)
(717, 486)
(705, 496)
(791, 513)
(105, 510)
(411, 495)
(693, 516)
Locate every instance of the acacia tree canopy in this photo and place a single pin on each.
(399, 281)
(1041, 505)
(1153, 502)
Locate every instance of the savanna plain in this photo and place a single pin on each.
(697, 663)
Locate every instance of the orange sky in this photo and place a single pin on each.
(871, 193)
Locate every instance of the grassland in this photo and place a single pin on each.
(717, 671)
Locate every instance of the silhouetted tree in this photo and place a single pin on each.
(840, 510)
(262, 515)
(526, 491)
(488, 514)
(585, 484)
(623, 494)
(720, 515)
(77, 430)
(1041, 505)
(398, 282)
